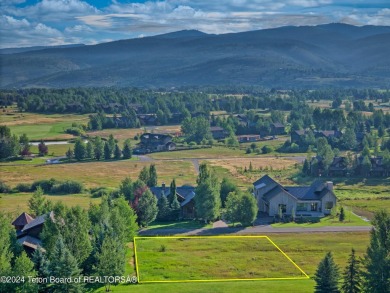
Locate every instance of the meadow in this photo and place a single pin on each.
(306, 250)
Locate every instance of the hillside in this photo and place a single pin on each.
(287, 57)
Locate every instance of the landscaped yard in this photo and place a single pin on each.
(350, 220)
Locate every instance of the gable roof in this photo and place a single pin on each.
(270, 188)
(38, 221)
(185, 193)
(30, 241)
(277, 125)
(22, 220)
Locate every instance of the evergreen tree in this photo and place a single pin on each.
(6, 254)
(172, 190)
(24, 268)
(348, 140)
(152, 176)
(342, 215)
(117, 152)
(352, 275)
(111, 259)
(107, 151)
(175, 207)
(111, 144)
(376, 260)
(127, 151)
(89, 150)
(79, 150)
(164, 210)
(126, 220)
(144, 175)
(207, 200)
(226, 187)
(69, 154)
(147, 209)
(36, 203)
(306, 167)
(98, 148)
(41, 265)
(327, 276)
(64, 265)
(126, 188)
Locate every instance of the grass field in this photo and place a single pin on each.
(306, 250)
(18, 202)
(367, 207)
(167, 259)
(94, 174)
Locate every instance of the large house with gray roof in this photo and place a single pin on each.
(315, 200)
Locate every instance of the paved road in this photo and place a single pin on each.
(266, 229)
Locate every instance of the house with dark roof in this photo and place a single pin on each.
(28, 235)
(338, 167)
(277, 128)
(218, 132)
(315, 200)
(155, 142)
(185, 196)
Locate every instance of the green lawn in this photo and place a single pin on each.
(350, 220)
(43, 131)
(304, 249)
(211, 258)
(178, 225)
(367, 207)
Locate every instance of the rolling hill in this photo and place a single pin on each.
(288, 57)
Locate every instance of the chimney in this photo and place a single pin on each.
(163, 186)
(329, 185)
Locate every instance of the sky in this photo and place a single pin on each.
(58, 22)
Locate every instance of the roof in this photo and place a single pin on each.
(216, 128)
(38, 221)
(270, 188)
(184, 192)
(278, 125)
(300, 132)
(30, 241)
(23, 220)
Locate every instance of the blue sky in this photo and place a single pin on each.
(56, 22)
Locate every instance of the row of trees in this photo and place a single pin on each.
(369, 274)
(98, 149)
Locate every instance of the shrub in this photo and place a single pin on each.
(67, 187)
(75, 131)
(266, 149)
(24, 187)
(45, 184)
(4, 188)
(99, 192)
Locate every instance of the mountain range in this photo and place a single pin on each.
(331, 55)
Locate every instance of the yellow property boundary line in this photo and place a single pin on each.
(215, 280)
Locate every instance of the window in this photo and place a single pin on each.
(314, 206)
(283, 208)
(301, 207)
(328, 205)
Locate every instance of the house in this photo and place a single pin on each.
(338, 167)
(185, 196)
(218, 132)
(327, 134)
(297, 136)
(248, 138)
(377, 167)
(154, 142)
(277, 128)
(28, 230)
(147, 119)
(315, 200)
